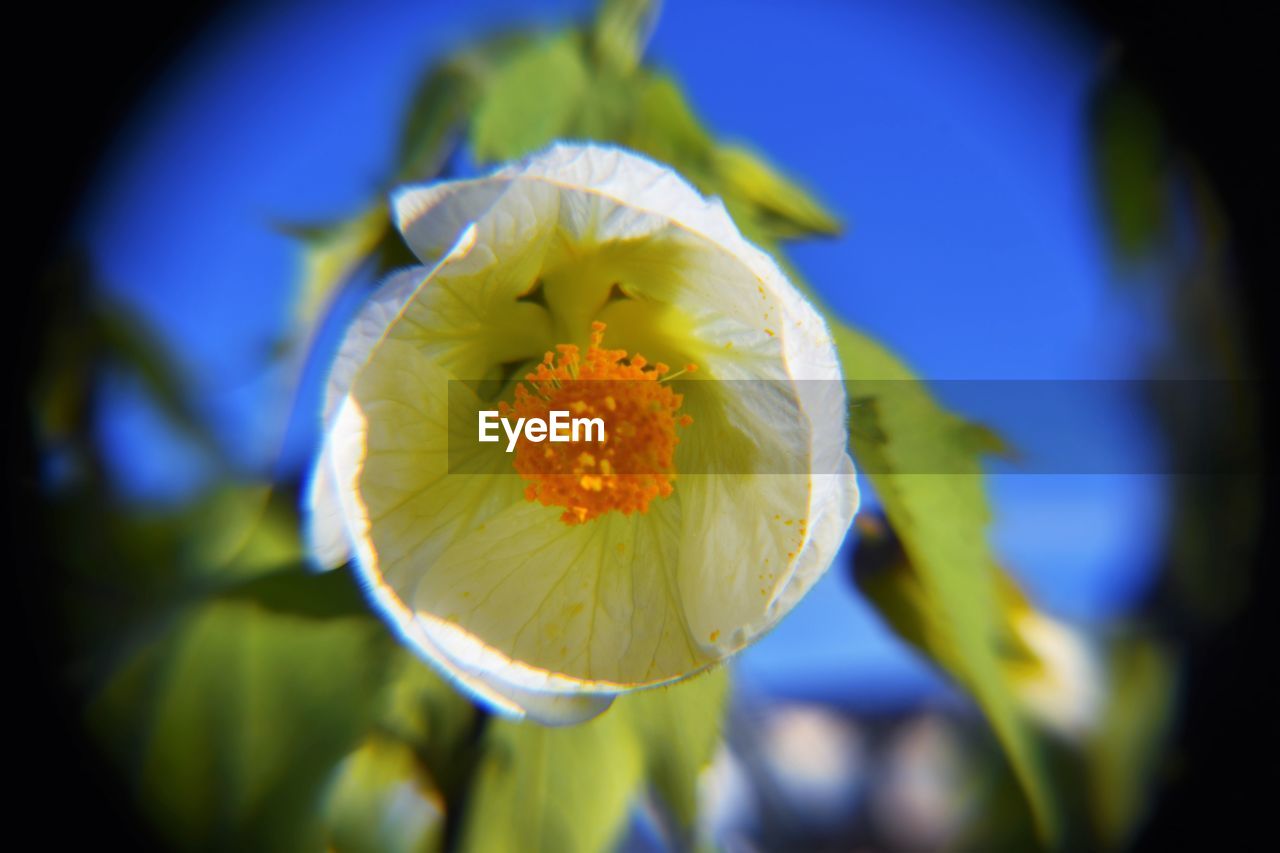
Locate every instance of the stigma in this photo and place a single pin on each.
(633, 463)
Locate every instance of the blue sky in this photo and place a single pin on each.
(950, 137)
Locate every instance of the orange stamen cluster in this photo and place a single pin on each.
(633, 464)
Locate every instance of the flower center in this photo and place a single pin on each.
(633, 464)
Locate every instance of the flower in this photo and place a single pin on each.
(549, 580)
(1061, 677)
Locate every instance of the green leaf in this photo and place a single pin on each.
(622, 29)
(1123, 755)
(1131, 165)
(131, 569)
(678, 728)
(380, 799)
(569, 789)
(330, 255)
(424, 711)
(756, 188)
(558, 790)
(766, 204)
(897, 430)
(667, 129)
(297, 592)
(436, 116)
(230, 724)
(884, 575)
(607, 111)
(85, 330)
(238, 531)
(434, 121)
(530, 100)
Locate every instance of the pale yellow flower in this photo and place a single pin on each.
(548, 600)
(1063, 685)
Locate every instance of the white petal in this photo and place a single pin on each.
(561, 608)
(326, 538)
(349, 442)
(469, 320)
(327, 541)
(833, 507)
(326, 533)
(431, 216)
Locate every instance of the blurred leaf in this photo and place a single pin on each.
(1123, 756)
(294, 592)
(61, 385)
(667, 129)
(570, 789)
(767, 205)
(231, 723)
(127, 340)
(445, 99)
(1052, 667)
(435, 119)
(1130, 164)
(530, 100)
(942, 520)
(381, 800)
(679, 728)
(439, 109)
(781, 206)
(622, 29)
(984, 441)
(330, 255)
(425, 711)
(607, 111)
(127, 568)
(87, 332)
(239, 530)
(558, 790)
(884, 573)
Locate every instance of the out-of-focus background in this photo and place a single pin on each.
(993, 191)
